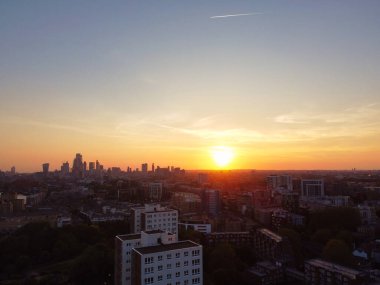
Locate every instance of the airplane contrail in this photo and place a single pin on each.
(235, 15)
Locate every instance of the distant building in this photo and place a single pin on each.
(290, 201)
(78, 166)
(65, 168)
(144, 167)
(234, 238)
(266, 273)
(202, 178)
(45, 168)
(269, 245)
(312, 188)
(154, 217)
(91, 168)
(211, 201)
(204, 228)
(156, 257)
(318, 271)
(279, 181)
(186, 203)
(13, 170)
(367, 214)
(155, 191)
(280, 218)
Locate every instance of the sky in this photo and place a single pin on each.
(286, 84)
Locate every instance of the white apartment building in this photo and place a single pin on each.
(156, 257)
(154, 217)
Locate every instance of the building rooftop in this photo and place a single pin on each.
(271, 234)
(160, 211)
(129, 236)
(257, 272)
(227, 233)
(166, 247)
(154, 232)
(335, 267)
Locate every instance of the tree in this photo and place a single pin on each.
(94, 266)
(341, 218)
(337, 251)
(295, 242)
(322, 236)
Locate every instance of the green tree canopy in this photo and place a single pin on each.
(337, 251)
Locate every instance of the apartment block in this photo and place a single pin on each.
(156, 257)
(154, 217)
(318, 271)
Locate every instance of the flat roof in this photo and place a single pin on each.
(334, 267)
(271, 234)
(129, 236)
(154, 231)
(166, 247)
(159, 211)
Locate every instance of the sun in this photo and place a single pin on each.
(222, 155)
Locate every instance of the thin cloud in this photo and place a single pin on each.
(235, 15)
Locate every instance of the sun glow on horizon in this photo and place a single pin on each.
(222, 155)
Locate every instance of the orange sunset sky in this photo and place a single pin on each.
(278, 84)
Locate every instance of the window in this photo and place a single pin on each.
(149, 260)
(186, 272)
(195, 262)
(186, 282)
(177, 255)
(186, 263)
(148, 280)
(159, 257)
(178, 283)
(159, 278)
(178, 264)
(195, 252)
(186, 253)
(169, 256)
(169, 266)
(168, 276)
(159, 267)
(195, 271)
(196, 280)
(177, 274)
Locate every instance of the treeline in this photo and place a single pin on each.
(80, 254)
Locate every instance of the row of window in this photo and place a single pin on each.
(150, 270)
(169, 266)
(162, 215)
(149, 260)
(174, 229)
(136, 244)
(150, 280)
(159, 220)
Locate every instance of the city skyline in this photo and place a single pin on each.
(282, 85)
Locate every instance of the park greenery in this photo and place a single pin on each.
(81, 254)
